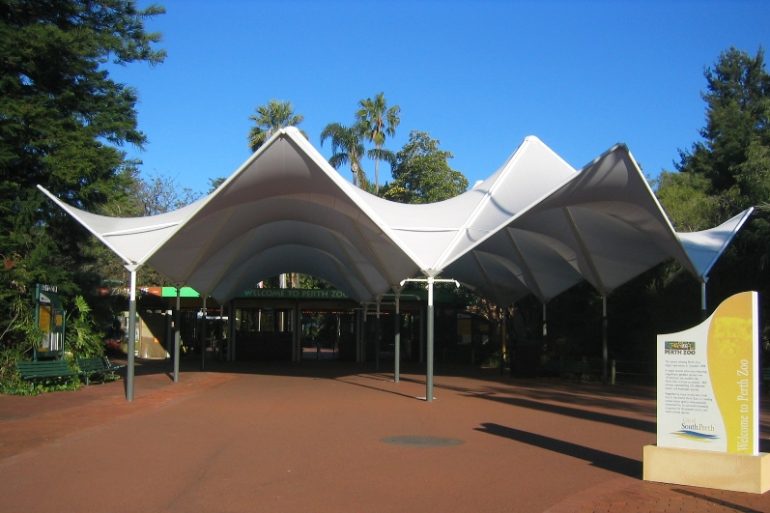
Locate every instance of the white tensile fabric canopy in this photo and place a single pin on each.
(603, 225)
(705, 247)
(536, 226)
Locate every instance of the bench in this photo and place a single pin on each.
(97, 366)
(45, 370)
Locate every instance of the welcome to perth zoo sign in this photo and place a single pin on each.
(708, 381)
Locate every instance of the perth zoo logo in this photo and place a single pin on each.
(680, 347)
(697, 432)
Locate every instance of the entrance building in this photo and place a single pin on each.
(306, 324)
(537, 226)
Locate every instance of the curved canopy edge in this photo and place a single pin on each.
(535, 226)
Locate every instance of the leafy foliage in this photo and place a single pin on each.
(734, 156)
(14, 348)
(687, 200)
(728, 171)
(374, 121)
(62, 120)
(269, 118)
(214, 183)
(82, 337)
(160, 194)
(347, 148)
(377, 121)
(421, 173)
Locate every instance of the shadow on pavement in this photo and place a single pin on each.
(378, 389)
(606, 418)
(714, 500)
(608, 461)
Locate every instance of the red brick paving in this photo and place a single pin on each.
(312, 438)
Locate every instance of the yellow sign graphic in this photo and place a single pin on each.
(731, 340)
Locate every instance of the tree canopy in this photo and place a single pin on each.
(378, 121)
(728, 171)
(62, 121)
(734, 155)
(374, 121)
(347, 148)
(269, 118)
(421, 173)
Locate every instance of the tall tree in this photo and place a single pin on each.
(377, 121)
(421, 173)
(62, 119)
(687, 199)
(160, 194)
(270, 118)
(729, 170)
(347, 148)
(734, 155)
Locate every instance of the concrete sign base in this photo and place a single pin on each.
(707, 469)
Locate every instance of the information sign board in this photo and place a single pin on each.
(708, 381)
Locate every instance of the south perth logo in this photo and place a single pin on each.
(694, 430)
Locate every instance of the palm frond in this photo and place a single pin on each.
(269, 118)
(382, 154)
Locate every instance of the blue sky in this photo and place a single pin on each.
(477, 75)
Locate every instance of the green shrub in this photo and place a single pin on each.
(83, 340)
(16, 344)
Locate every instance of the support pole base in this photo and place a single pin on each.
(707, 469)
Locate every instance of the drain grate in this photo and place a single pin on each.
(421, 441)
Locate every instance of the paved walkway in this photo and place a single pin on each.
(331, 437)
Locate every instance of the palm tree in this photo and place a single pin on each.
(347, 147)
(273, 116)
(378, 121)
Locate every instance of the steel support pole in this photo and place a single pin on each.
(177, 334)
(504, 356)
(364, 332)
(429, 355)
(604, 340)
(294, 356)
(703, 314)
(281, 313)
(430, 280)
(231, 332)
(504, 338)
(204, 334)
(397, 341)
(377, 337)
(131, 336)
(357, 333)
(337, 336)
(297, 329)
(360, 335)
(422, 333)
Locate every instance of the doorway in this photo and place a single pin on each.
(327, 335)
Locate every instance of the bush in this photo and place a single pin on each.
(82, 338)
(16, 345)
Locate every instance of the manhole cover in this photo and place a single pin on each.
(421, 441)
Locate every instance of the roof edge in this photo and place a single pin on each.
(72, 211)
(441, 263)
